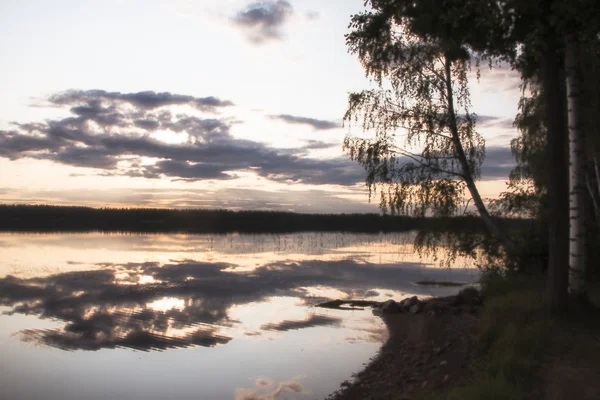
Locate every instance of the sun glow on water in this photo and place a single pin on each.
(167, 303)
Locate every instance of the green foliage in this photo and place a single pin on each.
(422, 95)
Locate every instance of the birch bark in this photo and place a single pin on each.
(577, 185)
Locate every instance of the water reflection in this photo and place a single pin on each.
(266, 389)
(186, 302)
(153, 293)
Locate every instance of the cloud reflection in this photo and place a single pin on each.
(186, 302)
(266, 389)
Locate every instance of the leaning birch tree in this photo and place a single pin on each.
(425, 154)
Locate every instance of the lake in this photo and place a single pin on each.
(121, 316)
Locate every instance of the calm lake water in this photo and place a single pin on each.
(116, 316)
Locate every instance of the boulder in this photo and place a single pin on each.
(432, 308)
(390, 306)
(469, 296)
(402, 303)
(408, 302)
(416, 308)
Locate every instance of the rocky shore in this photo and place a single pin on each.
(430, 346)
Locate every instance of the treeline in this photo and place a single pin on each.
(47, 218)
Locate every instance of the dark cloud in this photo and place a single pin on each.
(263, 21)
(498, 163)
(146, 100)
(113, 139)
(101, 133)
(186, 170)
(147, 124)
(312, 321)
(316, 124)
(487, 121)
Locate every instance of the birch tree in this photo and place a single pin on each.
(426, 153)
(577, 235)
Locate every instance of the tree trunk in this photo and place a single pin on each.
(466, 170)
(593, 187)
(589, 73)
(558, 183)
(577, 234)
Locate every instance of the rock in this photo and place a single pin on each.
(402, 303)
(454, 301)
(390, 306)
(432, 308)
(469, 296)
(416, 308)
(408, 302)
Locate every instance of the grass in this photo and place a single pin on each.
(512, 336)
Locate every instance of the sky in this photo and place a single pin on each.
(196, 104)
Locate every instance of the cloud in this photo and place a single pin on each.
(312, 321)
(487, 121)
(313, 15)
(263, 21)
(102, 133)
(292, 386)
(316, 124)
(118, 135)
(146, 100)
(498, 163)
(500, 77)
(266, 392)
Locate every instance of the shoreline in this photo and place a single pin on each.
(429, 350)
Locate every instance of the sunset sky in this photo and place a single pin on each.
(206, 103)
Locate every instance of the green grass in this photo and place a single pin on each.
(513, 334)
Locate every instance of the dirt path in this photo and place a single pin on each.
(424, 351)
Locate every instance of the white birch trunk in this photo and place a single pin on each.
(577, 187)
(593, 186)
(468, 178)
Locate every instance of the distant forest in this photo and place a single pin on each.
(46, 218)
